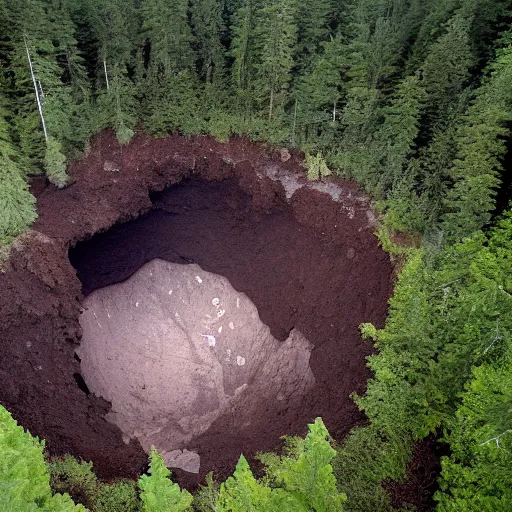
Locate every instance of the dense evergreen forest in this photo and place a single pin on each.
(410, 98)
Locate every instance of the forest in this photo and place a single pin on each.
(412, 100)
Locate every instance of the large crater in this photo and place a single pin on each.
(301, 258)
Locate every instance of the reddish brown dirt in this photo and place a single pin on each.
(420, 481)
(306, 265)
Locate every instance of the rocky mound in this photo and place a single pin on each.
(175, 347)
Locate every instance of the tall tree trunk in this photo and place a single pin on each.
(271, 107)
(294, 125)
(34, 81)
(106, 74)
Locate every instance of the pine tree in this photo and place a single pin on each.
(47, 72)
(165, 25)
(276, 37)
(243, 53)
(114, 26)
(313, 29)
(55, 163)
(29, 38)
(175, 104)
(432, 167)
(17, 205)
(319, 92)
(433, 27)
(209, 28)
(395, 139)
(306, 472)
(446, 68)
(158, 493)
(480, 147)
(360, 120)
(23, 473)
(243, 493)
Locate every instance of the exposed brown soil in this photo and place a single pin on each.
(311, 264)
(420, 481)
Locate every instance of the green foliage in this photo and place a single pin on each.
(480, 148)
(275, 38)
(24, 480)
(117, 497)
(368, 456)
(206, 496)
(175, 106)
(449, 314)
(165, 25)
(313, 20)
(17, 204)
(316, 167)
(158, 493)
(300, 480)
(444, 82)
(306, 473)
(477, 475)
(55, 163)
(208, 27)
(411, 98)
(243, 493)
(77, 478)
(395, 139)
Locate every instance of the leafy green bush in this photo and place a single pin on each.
(117, 497)
(77, 478)
(316, 167)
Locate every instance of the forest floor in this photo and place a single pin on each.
(305, 260)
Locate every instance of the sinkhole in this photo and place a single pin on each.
(213, 327)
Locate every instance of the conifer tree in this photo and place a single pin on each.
(158, 492)
(165, 25)
(306, 472)
(114, 25)
(431, 29)
(359, 119)
(242, 492)
(243, 52)
(23, 473)
(33, 78)
(275, 37)
(17, 205)
(209, 28)
(395, 139)
(446, 68)
(480, 147)
(313, 24)
(320, 91)
(48, 73)
(432, 167)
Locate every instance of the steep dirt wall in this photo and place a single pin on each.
(40, 294)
